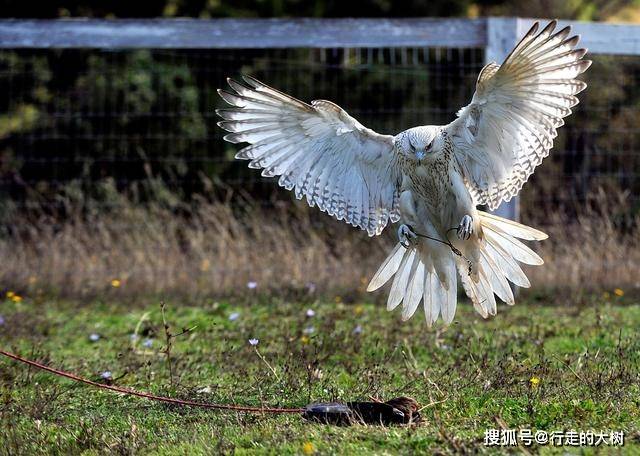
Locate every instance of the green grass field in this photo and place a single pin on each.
(545, 364)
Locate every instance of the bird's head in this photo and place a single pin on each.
(419, 143)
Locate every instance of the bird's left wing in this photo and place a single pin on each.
(318, 150)
(509, 127)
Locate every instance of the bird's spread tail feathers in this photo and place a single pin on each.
(418, 278)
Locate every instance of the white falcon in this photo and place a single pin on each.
(431, 178)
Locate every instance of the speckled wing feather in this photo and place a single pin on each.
(318, 150)
(509, 127)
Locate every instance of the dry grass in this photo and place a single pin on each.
(215, 250)
(597, 249)
(211, 251)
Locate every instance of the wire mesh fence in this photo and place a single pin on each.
(77, 117)
(80, 124)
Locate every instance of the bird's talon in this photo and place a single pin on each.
(406, 236)
(465, 228)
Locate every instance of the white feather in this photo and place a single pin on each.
(388, 268)
(414, 291)
(399, 287)
(431, 298)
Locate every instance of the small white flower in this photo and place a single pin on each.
(309, 330)
(147, 343)
(106, 375)
(252, 285)
(93, 337)
(311, 287)
(234, 316)
(254, 342)
(357, 330)
(311, 313)
(134, 337)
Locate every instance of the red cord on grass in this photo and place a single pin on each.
(130, 392)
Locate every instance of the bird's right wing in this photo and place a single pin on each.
(509, 127)
(318, 150)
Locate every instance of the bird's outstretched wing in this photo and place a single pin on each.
(318, 150)
(509, 127)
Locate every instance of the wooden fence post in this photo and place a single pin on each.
(502, 34)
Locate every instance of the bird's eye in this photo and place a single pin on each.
(429, 146)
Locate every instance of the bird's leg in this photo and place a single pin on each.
(406, 236)
(465, 228)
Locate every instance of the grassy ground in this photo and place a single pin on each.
(546, 364)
